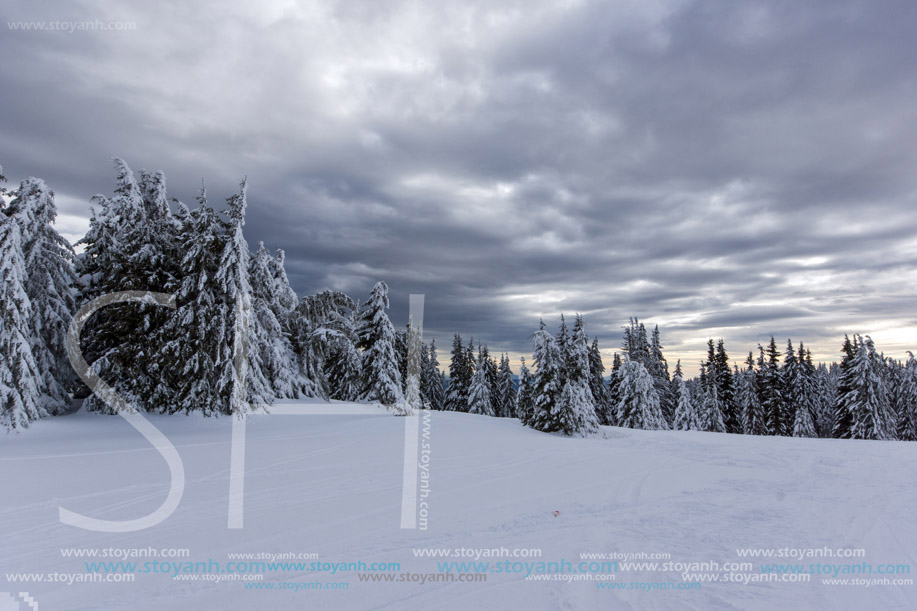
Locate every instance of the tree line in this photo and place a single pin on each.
(330, 346)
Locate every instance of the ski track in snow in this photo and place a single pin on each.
(332, 485)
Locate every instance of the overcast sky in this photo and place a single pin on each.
(724, 169)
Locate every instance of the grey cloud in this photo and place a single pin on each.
(729, 169)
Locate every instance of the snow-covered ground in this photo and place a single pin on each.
(332, 486)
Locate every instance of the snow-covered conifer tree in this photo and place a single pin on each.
(460, 372)
(479, 397)
(240, 369)
(415, 350)
(770, 385)
(490, 374)
(597, 382)
(49, 284)
(547, 388)
(614, 396)
(753, 421)
(189, 342)
(638, 404)
(686, 417)
(20, 386)
(906, 408)
(507, 396)
(525, 400)
(844, 395)
(574, 412)
(381, 377)
(434, 391)
(871, 413)
(712, 410)
(276, 351)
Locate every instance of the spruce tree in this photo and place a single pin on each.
(548, 364)
(272, 341)
(753, 417)
(240, 381)
(188, 344)
(638, 404)
(801, 387)
(867, 399)
(460, 372)
(50, 278)
(614, 383)
(712, 410)
(575, 409)
(434, 391)
(597, 382)
(525, 400)
(20, 377)
(507, 393)
(414, 369)
(324, 335)
(725, 384)
(490, 374)
(686, 417)
(906, 405)
(381, 377)
(659, 370)
(843, 406)
(770, 385)
(479, 397)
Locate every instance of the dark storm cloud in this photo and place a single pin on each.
(726, 169)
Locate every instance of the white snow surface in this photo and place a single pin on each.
(332, 485)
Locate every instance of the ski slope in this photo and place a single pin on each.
(332, 486)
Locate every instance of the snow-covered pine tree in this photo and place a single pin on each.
(770, 385)
(414, 369)
(276, 351)
(525, 400)
(906, 405)
(240, 379)
(803, 423)
(659, 370)
(434, 391)
(826, 389)
(871, 413)
(574, 413)
(712, 410)
(490, 373)
(189, 342)
(381, 377)
(791, 382)
(725, 385)
(20, 386)
(843, 408)
(563, 349)
(401, 353)
(686, 417)
(479, 397)
(49, 284)
(121, 253)
(547, 388)
(638, 404)
(460, 372)
(424, 369)
(597, 382)
(323, 331)
(636, 345)
(614, 383)
(507, 393)
(753, 420)
(802, 389)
